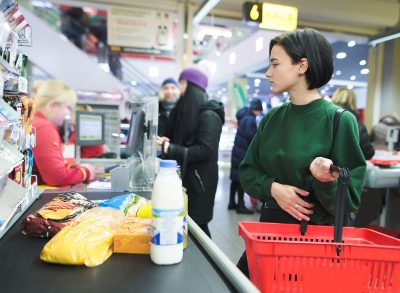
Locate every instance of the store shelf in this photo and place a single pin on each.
(14, 201)
(7, 111)
(7, 67)
(10, 157)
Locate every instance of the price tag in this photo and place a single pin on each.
(22, 85)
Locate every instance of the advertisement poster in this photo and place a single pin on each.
(140, 31)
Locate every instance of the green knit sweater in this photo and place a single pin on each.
(288, 138)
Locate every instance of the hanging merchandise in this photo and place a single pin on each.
(166, 245)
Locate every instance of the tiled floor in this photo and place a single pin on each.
(223, 227)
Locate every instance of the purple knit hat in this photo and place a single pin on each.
(194, 76)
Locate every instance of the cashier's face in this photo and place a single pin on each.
(60, 110)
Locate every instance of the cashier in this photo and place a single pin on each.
(54, 100)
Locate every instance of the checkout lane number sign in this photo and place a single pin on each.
(271, 16)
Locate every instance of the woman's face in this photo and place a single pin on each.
(182, 86)
(281, 73)
(59, 110)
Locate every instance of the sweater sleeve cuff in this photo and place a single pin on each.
(324, 185)
(86, 173)
(266, 187)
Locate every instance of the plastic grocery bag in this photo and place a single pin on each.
(87, 240)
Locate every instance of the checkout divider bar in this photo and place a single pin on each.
(234, 275)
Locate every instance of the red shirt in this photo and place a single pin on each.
(49, 164)
(87, 151)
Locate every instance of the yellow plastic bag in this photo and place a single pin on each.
(88, 240)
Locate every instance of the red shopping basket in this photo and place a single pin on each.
(326, 260)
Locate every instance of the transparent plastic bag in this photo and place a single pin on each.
(88, 240)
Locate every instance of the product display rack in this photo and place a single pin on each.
(18, 187)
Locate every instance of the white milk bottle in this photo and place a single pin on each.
(166, 246)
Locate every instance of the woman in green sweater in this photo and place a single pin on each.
(295, 141)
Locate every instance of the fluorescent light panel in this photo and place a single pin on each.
(204, 10)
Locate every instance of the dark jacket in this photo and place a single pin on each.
(163, 114)
(246, 130)
(201, 173)
(365, 143)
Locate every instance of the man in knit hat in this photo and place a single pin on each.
(168, 97)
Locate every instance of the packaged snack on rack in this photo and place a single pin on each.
(88, 240)
(55, 215)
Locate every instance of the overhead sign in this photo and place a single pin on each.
(140, 31)
(271, 16)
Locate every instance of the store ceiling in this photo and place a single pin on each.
(366, 17)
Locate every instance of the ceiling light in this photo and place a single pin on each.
(259, 44)
(232, 58)
(364, 71)
(353, 77)
(257, 80)
(256, 84)
(255, 95)
(257, 91)
(341, 55)
(350, 87)
(363, 62)
(134, 83)
(213, 31)
(153, 71)
(351, 44)
(338, 72)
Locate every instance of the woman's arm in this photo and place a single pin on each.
(346, 152)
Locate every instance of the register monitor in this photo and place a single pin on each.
(137, 129)
(89, 128)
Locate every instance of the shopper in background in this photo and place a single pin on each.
(169, 95)
(192, 138)
(54, 100)
(346, 98)
(379, 131)
(247, 127)
(295, 141)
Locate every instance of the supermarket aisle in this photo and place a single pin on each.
(223, 227)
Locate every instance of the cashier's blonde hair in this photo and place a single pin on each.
(345, 97)
(45, 91)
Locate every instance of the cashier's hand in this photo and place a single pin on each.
(92, 170)
(289, 199)
(319, 168)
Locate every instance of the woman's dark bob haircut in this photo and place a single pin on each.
(310, 44)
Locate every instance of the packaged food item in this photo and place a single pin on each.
(88, 240)
(54, 215)
(133, 236)
(129, 203)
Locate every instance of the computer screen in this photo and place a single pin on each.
(89, 128)
(136, 132)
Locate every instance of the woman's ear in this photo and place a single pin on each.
(303, 66)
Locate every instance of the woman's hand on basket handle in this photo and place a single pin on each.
(319, 169)
(289, 199)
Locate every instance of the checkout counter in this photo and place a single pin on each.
(204, 267)
(383, 172)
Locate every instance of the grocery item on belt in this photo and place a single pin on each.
(54, 215)
(129, 203)
(133, 236)
(87, 240)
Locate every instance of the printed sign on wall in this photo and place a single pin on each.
(140, 31)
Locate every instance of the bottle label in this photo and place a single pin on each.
(167, 227)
